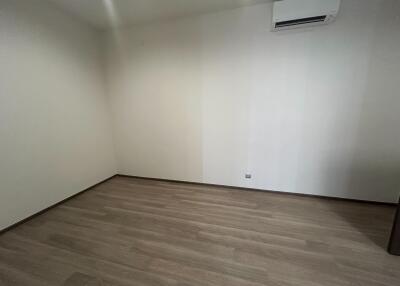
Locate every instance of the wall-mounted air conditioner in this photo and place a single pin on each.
(290, 14)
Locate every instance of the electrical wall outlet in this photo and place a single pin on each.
(247, 176)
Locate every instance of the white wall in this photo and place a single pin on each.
(55, 137)
(211, 98)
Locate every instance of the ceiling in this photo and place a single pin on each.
(105, 14)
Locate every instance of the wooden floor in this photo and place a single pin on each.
(142, 232)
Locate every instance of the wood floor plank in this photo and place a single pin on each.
(130, 231)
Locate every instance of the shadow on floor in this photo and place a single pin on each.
(373, 221)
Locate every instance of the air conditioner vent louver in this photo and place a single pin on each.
(302, 21)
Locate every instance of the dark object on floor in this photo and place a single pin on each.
(394, 244)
